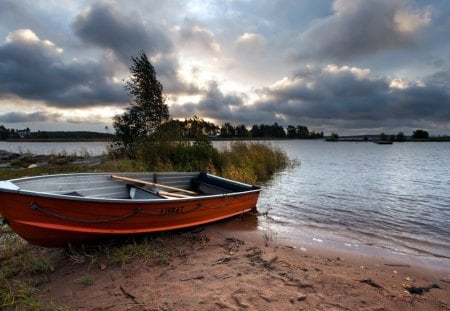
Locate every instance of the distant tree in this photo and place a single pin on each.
(291, 131)
(302, 131)
(299, 131)
(196, 127)
(255, 131)
(241, 131)
(400, 137)
(333, 137)
(147, 111)
(315, 135)
(276, 131)
(383, 137)
(4, 133)
(420, 134)
(227, 131)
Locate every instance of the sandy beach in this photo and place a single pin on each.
(219, 268)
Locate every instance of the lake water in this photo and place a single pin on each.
(78, 148)
(378, 199)
(364, 197)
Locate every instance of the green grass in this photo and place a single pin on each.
(86, 280)
(147, 249)
(242, 161)
(22, 269)
(252, 162)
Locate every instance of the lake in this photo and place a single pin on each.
(376, 199)
(92, 148)
(363, 197)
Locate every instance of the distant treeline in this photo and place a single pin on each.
(24, 134)
(190, 129)
(195, 127)
(417, 135)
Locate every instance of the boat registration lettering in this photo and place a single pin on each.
(172, 210)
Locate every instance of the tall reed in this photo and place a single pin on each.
(252, 162)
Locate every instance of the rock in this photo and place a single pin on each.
(8, 155)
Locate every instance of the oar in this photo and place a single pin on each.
(174, 195)
(144, 182)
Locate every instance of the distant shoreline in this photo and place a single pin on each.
(55, 140)
(340, 139)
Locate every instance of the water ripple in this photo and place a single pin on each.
(396, 198)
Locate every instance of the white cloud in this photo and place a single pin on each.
(399, 84)
(250, 42)
(359, 73)
(27, 36)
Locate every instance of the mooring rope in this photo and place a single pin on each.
(34, 206)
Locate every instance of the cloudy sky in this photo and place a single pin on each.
(351, 66)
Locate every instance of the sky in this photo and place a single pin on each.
(346, 66)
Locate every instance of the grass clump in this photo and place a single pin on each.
(18, 295)
(22, 269)
(178, 155)
(86, 280)
(252, 162)
(146, 249)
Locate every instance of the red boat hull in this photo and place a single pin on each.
(56, 221)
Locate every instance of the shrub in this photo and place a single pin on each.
(252, 162)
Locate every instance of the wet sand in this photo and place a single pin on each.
(220, 268)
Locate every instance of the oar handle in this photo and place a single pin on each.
(144, 182)
(174, 195)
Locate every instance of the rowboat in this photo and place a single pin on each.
(55, 210)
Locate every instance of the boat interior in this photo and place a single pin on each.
(136, 186)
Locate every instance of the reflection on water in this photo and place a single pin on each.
(395, 197)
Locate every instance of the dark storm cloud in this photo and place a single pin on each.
(326, 94)
(359, 28)
(19, 117)
(33, 69)
(107, 26)
(431, 103)
(329, 96)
